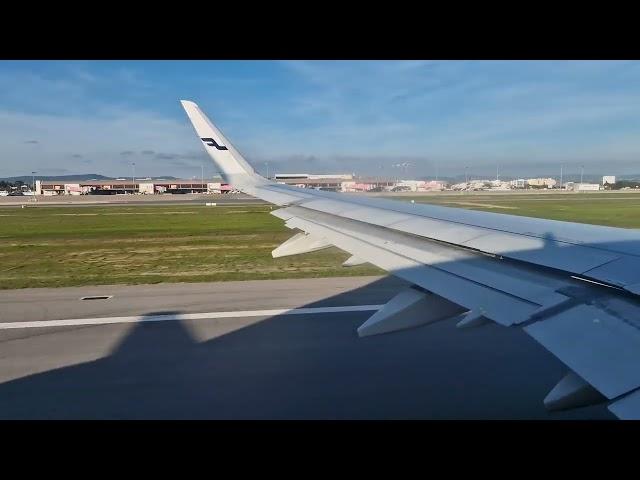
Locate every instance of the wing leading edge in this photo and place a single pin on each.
(571, 286)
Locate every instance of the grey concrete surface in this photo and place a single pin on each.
(284, 367)
(35, 304)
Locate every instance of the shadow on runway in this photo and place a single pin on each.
(301, 367)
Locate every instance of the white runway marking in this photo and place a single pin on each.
(187, 316)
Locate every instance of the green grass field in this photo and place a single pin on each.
(72, 246)
(612, 209)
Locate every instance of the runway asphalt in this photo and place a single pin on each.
(146, 353)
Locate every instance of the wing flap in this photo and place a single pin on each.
(628, 407)
(601, 347)
(623, 272)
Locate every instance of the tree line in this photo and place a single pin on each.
(5, 185)
(622, 184)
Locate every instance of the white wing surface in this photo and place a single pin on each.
(572, 287)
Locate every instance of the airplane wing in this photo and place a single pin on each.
(573, 287)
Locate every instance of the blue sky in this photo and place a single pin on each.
(64, 117)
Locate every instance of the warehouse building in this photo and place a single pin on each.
(584, 187)
(131, 186)
(542, 182)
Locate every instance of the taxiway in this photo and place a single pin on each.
(178, 351)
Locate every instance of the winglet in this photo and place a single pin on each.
(228, 160)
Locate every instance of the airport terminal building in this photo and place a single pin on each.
(148, 186)
(122, 186)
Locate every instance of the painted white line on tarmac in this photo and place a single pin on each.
(187, 316)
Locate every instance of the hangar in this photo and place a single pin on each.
(121, 186)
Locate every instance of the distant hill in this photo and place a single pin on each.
(71, 178)
(79, 177)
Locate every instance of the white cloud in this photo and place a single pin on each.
(100, 139)
(367, 112)
(473, 111)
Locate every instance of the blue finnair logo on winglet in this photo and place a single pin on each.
(212, 143)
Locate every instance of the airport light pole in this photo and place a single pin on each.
(560, 177)
(133, 176)
(202, 177)
(581, 174)
(33, 181)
